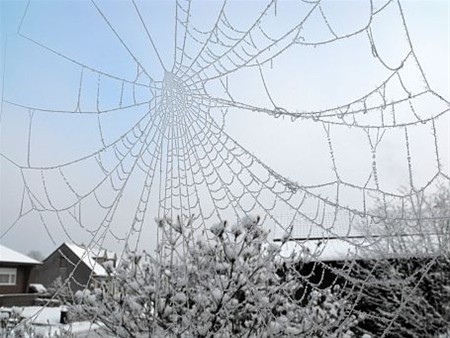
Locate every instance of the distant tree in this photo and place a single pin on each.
(36, 254)
(229, 285)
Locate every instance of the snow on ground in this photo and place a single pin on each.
(41, 315)
(45, 321)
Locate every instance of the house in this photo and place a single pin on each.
(15, 269)
(104, 256)
(82, 267)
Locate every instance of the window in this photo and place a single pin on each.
(8, 276)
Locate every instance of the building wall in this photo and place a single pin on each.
(22, 279)
(62, 263)
(18, 299)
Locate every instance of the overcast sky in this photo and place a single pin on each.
(40, 72)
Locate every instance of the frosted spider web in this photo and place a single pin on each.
(175, 128)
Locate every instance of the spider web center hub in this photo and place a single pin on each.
(176, 98)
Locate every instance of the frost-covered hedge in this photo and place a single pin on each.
(405, 291)
(225, 283)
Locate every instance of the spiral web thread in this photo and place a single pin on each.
(180, 150)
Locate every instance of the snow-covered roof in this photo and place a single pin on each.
(88, 257)
(339, 249)
(318, 250)
(8, 255)
(39, 288)
(337, 238)
(313, 227)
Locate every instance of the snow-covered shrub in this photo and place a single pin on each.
(225, 283)
(403, 297)
(25, 328)
(60, 290)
